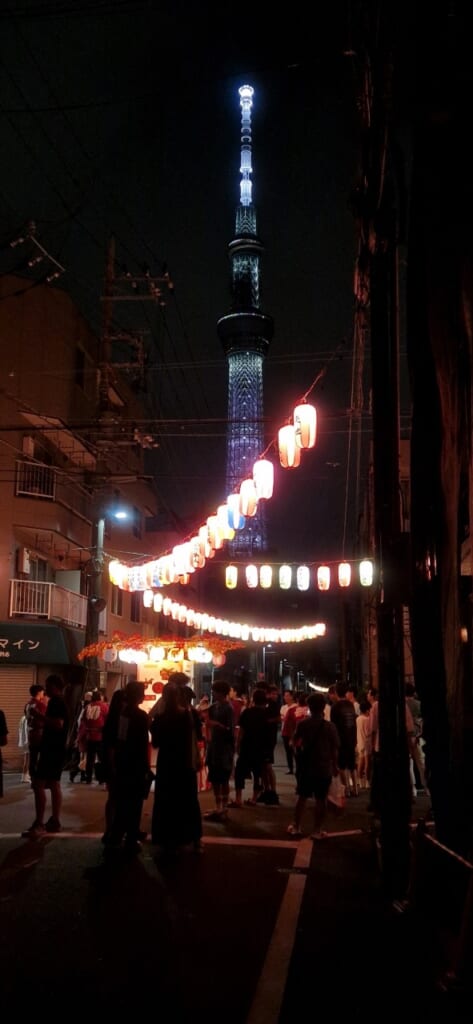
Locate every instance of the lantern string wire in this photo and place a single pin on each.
(336, 354)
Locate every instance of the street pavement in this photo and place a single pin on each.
(259, 929)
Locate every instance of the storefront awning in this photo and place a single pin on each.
(25, 643)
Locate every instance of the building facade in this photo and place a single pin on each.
(64, 466)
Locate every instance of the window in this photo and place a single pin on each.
(135, 607)
(116, 604)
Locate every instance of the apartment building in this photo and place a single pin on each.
(67, 458)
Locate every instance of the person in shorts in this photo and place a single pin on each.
(317, 744)
(50, 763)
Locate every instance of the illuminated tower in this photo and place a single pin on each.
(245, 333)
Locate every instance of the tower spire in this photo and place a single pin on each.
(245, 333)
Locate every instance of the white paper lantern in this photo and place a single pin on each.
(285, 577)
(263, 476)
(265, 576)
(303, 577)
(366, 573)
(305, 424)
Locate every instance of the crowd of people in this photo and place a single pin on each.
(225, 739)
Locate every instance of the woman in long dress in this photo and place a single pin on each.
(175, 732)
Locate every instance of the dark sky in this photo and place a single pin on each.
(124, 118)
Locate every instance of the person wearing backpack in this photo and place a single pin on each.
(95, 714)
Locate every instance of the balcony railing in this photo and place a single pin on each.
(47, 601)
(37, 480)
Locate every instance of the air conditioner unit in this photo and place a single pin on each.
(24, 563)
(28, 446)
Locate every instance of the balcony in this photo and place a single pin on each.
(37, 480)
(36, 600)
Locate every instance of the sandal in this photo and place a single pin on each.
(214, 816)
(234, 803)
(250, 803)
(318, 835)
(294, 831)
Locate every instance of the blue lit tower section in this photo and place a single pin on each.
(245, 333)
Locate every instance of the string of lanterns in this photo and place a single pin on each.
(223, 627)
(179, 564)
(265, 576)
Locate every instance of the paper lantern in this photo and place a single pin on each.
(215, 532)
(285, 577)
(263, 476)
(219, 660)
(265, 576)
(110, 654)
(235, 517)
(366, 573)
(248, 498)
(303, 577)
(156, 653)
(251, 573)
(158, 603)
(344, 574)
(289, 452)
(231, 577)
(323, 577)
(305, 425)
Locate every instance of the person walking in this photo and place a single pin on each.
(317, 743)
(220, 748)
(50, 763)
(343, 716)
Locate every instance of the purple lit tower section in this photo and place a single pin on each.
(245, 333)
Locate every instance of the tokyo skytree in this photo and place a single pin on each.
(245, 333)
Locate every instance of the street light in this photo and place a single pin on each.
(96, 601)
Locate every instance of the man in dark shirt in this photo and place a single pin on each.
(317, 744)
(50, 763)
(343, 716)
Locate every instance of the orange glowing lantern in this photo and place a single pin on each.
(248, 498)
(344, 574)
(219, 660)
(323, 577)
(289, 452)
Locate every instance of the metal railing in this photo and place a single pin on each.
(37, 480)
(47, 601)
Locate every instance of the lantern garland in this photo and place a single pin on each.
(171, 646)
(178, 565)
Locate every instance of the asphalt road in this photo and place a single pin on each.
(259, 929)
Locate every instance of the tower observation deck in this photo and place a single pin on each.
(245, 333)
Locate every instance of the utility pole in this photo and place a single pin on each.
(380, 218)
(124, 287)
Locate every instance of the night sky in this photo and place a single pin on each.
(123, 118)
